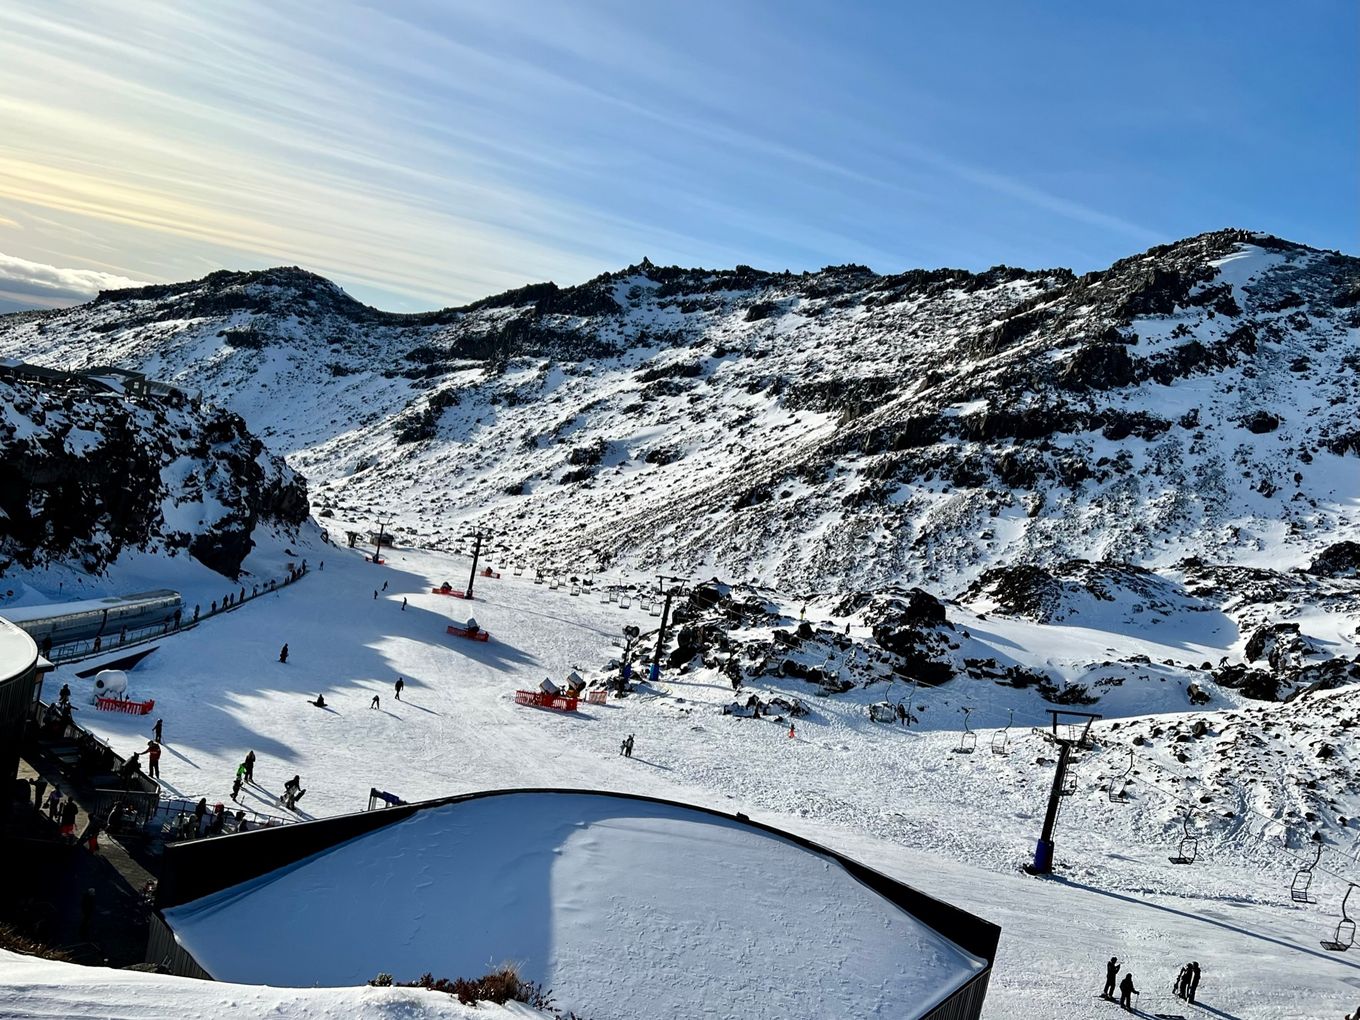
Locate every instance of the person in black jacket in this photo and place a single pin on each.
(283, 653)
(1126, 990)
(1111, 975)
(1192, 983)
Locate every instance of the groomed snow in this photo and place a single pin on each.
(616, 905)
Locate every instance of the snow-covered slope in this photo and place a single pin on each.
(827, 431)
(956, 825)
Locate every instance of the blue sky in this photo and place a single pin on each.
(424, 154)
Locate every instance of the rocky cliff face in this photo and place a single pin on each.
(87, 472)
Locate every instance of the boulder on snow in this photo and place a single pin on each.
(1340, 559)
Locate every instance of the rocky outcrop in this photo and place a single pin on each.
(87, 473)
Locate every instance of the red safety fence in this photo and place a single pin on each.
(122, 705)
(539, 699)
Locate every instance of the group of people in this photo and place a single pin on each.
(626, 748)
(1184, 987)
(245, 773)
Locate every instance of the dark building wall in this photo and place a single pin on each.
(17, 684)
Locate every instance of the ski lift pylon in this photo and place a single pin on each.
(1001, 740)
(1303, 878)
(1189, 847)
(1345, 928)
(967, 739)
(1119, 785)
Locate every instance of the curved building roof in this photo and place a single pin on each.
(623, 906)
(18, 653)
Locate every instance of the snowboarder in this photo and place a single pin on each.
(156, 731)
(400, 686)
(320, 701)
(283, 653)
(384, 587)
(403, 603)
(1192, 983)
(292, 792)
(1111, 972)
(374, 703)
(250, 766)
(153, 759)
(1126, 990)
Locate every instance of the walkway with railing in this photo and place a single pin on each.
(74, 651)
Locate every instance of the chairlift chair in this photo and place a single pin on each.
(967, 739)
(613, 595)
(1001, 740)
(538, 577)
(576, 589)
(1119, 785)
(1345, 928)
(1189, 846)
(1069, 783)
(656, 608)
(519, 570)
(645, 604)
(555, 583)
(604, 597)
(1303, 878)
(625, 601)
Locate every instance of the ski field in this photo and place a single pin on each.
(957, 826)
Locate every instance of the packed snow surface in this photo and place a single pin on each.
(616, 905)
(955, 826)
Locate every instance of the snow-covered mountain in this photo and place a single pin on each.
(823, 431)
(1174, 438)
(89, 472)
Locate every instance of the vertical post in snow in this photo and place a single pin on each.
(1043, 852)
(377, 544)
(476, 552)
(655, 672)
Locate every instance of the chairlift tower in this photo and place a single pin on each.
(478, 537)
(1043, 851)
(668, 593)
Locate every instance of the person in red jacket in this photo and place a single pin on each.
(153, 759)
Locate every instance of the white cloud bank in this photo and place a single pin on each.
(25, 284)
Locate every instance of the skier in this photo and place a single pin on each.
(623, 746)
(1126, 990)
(250, 766)
(400, 685)
(321, 565)
(236, 783)
(1192, 984)
(197, 610)
(374, 703)
(628, 746)
(384, 587)
(153, 759)
(902, 718)
(375, 594)
(1182, 980)
(283, 653)
(792, 732)
(403, 603)
(1111, 972)
(156, 731)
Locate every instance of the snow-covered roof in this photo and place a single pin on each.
(620, 905)
(17, 651)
